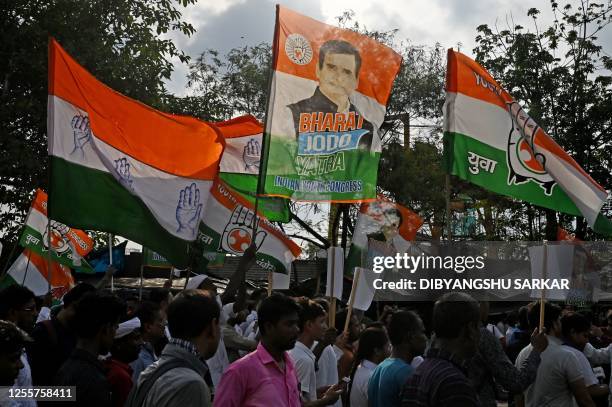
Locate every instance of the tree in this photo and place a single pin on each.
(118, 41)
(563, 77)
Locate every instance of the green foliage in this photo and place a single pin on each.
(121, 42)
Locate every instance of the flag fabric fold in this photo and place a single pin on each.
(491, 141)
(328, 97)
(32, 271)
(239, 166)
(68, 245)
(227, 227)
(122, 167)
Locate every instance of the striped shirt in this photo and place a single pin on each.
(439, 382)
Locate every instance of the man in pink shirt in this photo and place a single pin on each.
(266, 377)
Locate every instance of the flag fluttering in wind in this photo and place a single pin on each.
(32, 270)
(491, 141)
(239, 166)
(68, 245)
(227, 227)
(383, 228)
(328, 99)
(122, 167)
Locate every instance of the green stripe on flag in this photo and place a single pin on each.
(112, 209)
(457, 148)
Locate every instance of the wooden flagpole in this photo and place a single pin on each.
(349, 312)
(543, 295)
(110, 259)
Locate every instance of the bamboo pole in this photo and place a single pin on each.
(349, 312)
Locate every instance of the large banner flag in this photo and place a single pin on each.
(68, 246)
(227, 227)
(122, 167)
(328, 98)
(383, 228)
(492, 142)
(239, 166)
(32, 270)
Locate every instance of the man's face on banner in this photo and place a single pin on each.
(338, 76)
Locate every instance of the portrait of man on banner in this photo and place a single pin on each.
(330, 109)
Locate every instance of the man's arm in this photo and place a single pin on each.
(234, 340)
(329, 397)
(581, 394)
(598, 356)
(231, 390)
(237, 282)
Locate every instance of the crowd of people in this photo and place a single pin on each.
(200, 348)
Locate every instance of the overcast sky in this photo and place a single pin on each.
(225, 24)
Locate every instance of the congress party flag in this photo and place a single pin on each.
(122, 167)
(327, 101)
(32, 270)
(68, 245)
(240, 162)
(227, 227)
(383, 228)
(153, 259)
(491, 141)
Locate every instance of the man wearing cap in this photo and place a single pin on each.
(220, 361)
(125, 349)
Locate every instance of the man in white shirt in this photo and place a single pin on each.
(559, 381)
(313, 323)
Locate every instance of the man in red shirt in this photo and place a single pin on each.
(125, 350)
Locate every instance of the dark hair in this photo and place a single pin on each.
(77, 292)
(274, 308)
(341, 320)
(14, 297)
(452, 312)
(323, 303)
(94, 311)
(370, 340)
(147, 312)
(523, 320)
(158, 295)
(339, 47)
(551, 315)
(12, 338)
(309, 311)
(191, 313)
(576, 322)
(402, 325)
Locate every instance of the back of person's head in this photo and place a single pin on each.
(147, 312)
(552, 312)
(309, 311)
(452, 313)
(158, 295)
(323, 303)
(14, 297)
(403, 325)
(523, 317)
(76, 293)
(95, 311)
(574, 323)
(191, 313)
(274, 308)
(370, 341)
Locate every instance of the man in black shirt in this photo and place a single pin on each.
(95, 323)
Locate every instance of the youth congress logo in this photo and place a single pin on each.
(298, 49)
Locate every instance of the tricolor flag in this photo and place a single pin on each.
(227, 227)
(31, 270)
(328, 99)
(239, 166)
(383, 228)
(153, 259)
(492, 142)
(122, 167)
(68, 246)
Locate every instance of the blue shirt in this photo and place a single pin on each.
(385, 385)
(146, 357)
